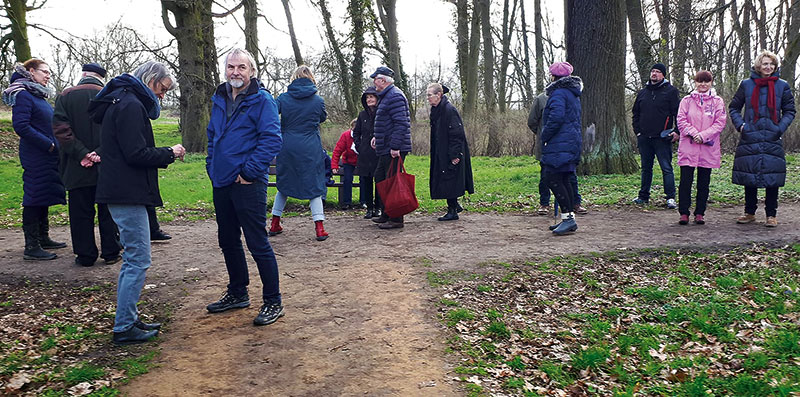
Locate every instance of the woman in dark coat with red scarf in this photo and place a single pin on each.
(32, 118)
(759, 161)
(451, 167)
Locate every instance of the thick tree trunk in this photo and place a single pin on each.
(17, 14)
(251, 28)
(471, 91)
(197, 73)
(721, 54)
(596, 48)
(341, 62)
(682, 27)
(387, 10)
(526, 72)
(494, 144)
(502, 78)
(539, 42)
(666, 36)
(462, 43)
(641, 41)
(357, 10)
(789, 67)
(742, 29)
(298, 58)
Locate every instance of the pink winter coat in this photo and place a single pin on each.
(703, 115)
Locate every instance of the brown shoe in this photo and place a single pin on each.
(580, 210)
(543, 210)
(746, 218)
(391, 225)
(771, 221)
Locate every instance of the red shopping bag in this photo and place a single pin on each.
(397, 191)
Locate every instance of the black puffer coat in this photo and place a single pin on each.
(363, 132)
(449, 142)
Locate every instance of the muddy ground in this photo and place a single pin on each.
(360, 316)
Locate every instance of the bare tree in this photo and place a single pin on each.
(17, 11)
(539, 41)
(298, 58)
(509, 21)
(793, 47)
(641, 41)
(197, 66)
(596, 47)
(526, 60)
(682, 26)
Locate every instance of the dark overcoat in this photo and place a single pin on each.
(448, 142)
(32, 118)
(300, 167)
(561, 131)
(759, 160)
(363, 132)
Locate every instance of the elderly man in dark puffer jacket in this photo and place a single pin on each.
(392, 132)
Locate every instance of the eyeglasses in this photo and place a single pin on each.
(164, 88)
(46, 72)
(431, 95)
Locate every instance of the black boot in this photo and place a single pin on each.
(33, 248)
(452, 215)
(44, 235)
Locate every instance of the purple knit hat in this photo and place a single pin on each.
(561, 69)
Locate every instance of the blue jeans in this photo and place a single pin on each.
(243, 208)
(134, 234)
(661, 149)
(544, 191)
(317, 209)
(346, 191)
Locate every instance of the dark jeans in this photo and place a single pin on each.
(243, 208)
(382, 172)
(685, 190)
(650, 148)
(366, 189)
(346, 191)
(544, 191)
(152, 219)
(561, 186)
(81, 226)
(751, 200)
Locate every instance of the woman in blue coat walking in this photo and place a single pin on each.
(561, 140)
(300, 166)
(759, 161)
(32, 118)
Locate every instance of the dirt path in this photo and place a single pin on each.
(360, 316)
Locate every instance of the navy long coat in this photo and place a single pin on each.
(561, 131)
(759, 160)
(32, 119)
(300, 166)
(448, 142)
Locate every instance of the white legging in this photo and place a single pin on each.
(317, 213)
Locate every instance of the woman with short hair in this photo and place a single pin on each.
(300, 171)
(701, 119)
(760, 161)
(32, 119)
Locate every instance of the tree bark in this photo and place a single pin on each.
(789, 67)
(197, 72)
(471, 93)
(526, 73)
(682, 27)
(641, 41)
(462, 43)
(357, 10)
(387, 11)
(664, 19)
(539, 42)
(502, 78)
(341, 62)
(251, 28)
(17, 14)
(596, 47)
(298, 58)
(742, 29)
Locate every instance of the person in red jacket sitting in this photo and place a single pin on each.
(345, 149)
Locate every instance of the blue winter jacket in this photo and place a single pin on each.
(246, 143)
(301, 168)
(392, 122)
(561, 120)
(32, 119)
(759, 160)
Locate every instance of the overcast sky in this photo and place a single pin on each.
(425, 26)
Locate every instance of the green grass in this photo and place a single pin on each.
(83, 372)
(502, 184)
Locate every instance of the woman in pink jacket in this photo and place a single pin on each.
(701, 118)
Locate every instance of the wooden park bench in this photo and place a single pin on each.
(336, 177)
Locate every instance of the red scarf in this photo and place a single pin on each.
(769, 82)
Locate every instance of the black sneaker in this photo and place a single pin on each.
(159, 235)
(227, 302)
(133, 336)
(146, 326)
(269, 313)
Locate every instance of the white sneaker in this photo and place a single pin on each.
(671, 204)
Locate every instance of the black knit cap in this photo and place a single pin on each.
(661, 67)
(95, 68)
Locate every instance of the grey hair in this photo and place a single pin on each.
(246, 54)
(385, 78)
(437, 88)
(92, 74)
(153, 71)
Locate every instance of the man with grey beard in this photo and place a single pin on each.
(244, 135)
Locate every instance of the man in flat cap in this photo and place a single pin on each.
(392, 132)
(80, 151)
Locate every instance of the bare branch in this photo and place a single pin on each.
(227, 11)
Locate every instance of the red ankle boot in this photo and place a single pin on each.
(275, 227)
(321, 234)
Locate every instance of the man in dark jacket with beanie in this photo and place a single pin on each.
(392, 132)
(80, 150)
(128, 180)
(654, 111)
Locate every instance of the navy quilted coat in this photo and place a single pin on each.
(759, 160)
(392, 122)
(32, 119)
(300, 167)
(561, 131)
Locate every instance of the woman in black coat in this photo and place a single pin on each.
(759, 161)
(451, 168)
(32, 118)
(367, 159)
